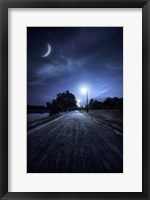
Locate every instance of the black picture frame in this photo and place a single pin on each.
(4, 6)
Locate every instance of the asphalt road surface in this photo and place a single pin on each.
(74, 143)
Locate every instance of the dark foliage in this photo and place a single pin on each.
(36, 109)
(64, 102)
(108, 103)
(94, 104)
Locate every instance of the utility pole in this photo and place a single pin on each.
(87, 100)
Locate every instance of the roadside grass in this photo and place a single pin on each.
(112, 118)
(44, 120)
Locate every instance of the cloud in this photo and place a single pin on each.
(114, 67)
(102, 92)
(58, 56)
(49, 71)
(38, 82)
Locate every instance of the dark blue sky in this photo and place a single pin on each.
(80, 56)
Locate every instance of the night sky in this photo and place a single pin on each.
(78, 57)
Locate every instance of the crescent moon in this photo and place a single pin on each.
(48, 51)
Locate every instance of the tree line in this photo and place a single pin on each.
(36, 109)
(66, 101)
(108, 103)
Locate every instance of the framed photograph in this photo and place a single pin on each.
(74, 99)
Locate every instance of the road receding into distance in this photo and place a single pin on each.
(74, 143)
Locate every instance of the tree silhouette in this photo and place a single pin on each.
(49, 106)
(108, 103)
(64, 102)
(94, 104)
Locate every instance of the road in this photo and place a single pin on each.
(74, 143)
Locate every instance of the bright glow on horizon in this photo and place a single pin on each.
(78, 103)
